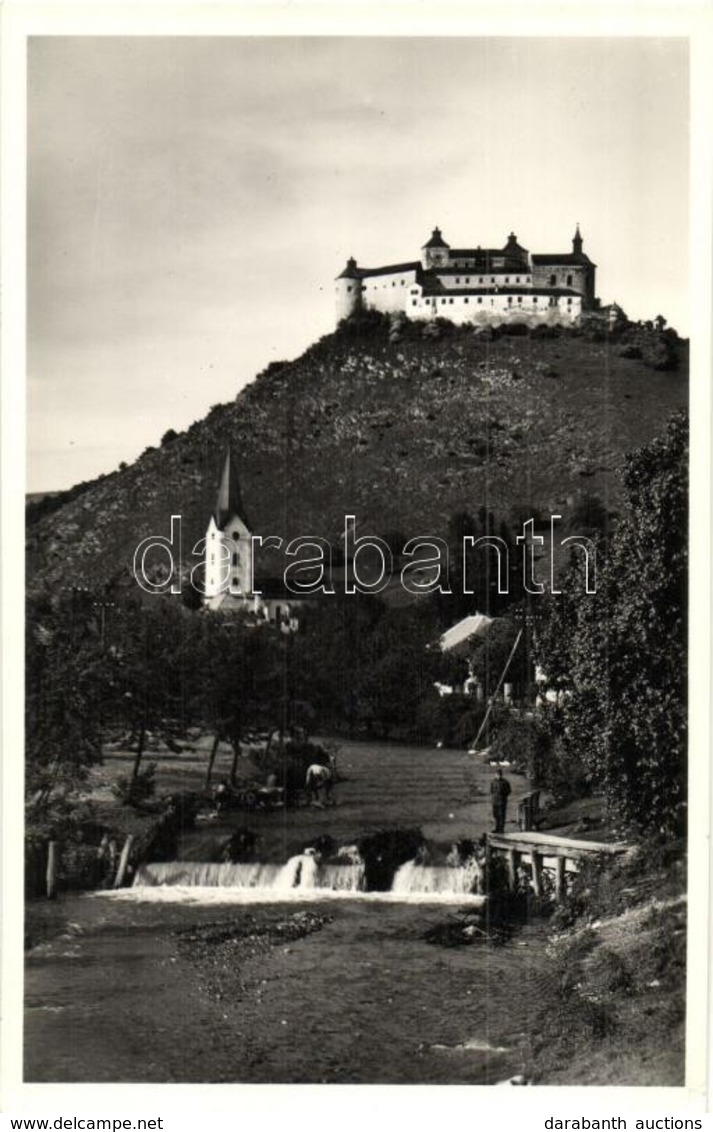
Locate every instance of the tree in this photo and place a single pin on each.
(620, 654)
(68, 680)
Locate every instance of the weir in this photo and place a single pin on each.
(304, 876)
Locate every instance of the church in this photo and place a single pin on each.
(477, 285)
(229, 584)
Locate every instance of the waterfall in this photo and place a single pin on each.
(303, 871)
(304, 877)
(416, 878)
(199, 874)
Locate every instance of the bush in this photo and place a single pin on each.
(169, 436)
(135, 791)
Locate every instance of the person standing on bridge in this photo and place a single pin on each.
(499, 793)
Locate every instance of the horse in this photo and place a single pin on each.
(318, 778)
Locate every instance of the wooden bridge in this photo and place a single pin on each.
(546, 851)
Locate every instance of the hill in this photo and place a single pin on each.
(399, 425)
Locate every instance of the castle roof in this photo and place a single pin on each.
(351, 271)
(436, 240)
(390, 269)
(228, 501)
(564, 258)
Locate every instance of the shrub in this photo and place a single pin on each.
(135, 791)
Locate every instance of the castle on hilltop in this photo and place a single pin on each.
(477, 285)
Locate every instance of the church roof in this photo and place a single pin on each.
(229, 501)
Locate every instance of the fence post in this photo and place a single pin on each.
(536, 873)
(51, 877)
(123, 861)
(560, 886)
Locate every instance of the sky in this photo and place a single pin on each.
(191, 200)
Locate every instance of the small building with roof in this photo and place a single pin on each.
(478, 285)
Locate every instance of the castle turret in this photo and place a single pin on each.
(435, 253)
(348, 290)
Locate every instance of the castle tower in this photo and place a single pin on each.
(228, 545)
(348, 291)
(435, 253)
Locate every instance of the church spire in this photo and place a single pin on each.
(577, 242)
(229, 501)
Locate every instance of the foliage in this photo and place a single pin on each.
(620, 655)
(68, 682)
(133, 791)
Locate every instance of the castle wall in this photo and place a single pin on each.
(387, 293)
(578, 278)
(490, 279)
(487, 308)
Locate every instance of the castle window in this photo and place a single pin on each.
(569, 280)
(442, 301)
(509, 300)
(466, 300)
(235, 559)
(393, 283)
(480, 280)
(534, 299)
(236, 536)
(349, 287)
(518, 279)
(467, 280)
(569, 302)
(403, 282)
(553, 280)
(450, 300)
(492, 278)
(507, 278)
(480, 300)
(414, 302)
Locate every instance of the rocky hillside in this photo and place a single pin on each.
(399, 427)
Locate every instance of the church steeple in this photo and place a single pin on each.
(229, 502)
(577, 242)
